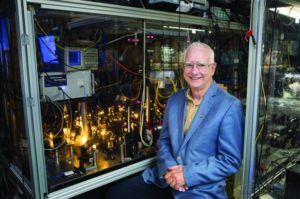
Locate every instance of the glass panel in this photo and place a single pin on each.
(164, 55)
(90, 71)
(101, 106)
(277, 142)
(13, 139)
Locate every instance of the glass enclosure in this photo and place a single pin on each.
(13, 137)
(102, 82)
(277, 140)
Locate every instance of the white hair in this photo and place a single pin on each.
(203, 45)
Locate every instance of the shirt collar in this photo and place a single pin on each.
(190, 98)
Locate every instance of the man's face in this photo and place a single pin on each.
(197, 69)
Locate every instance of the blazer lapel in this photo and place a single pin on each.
(181, 117)
(203, 110)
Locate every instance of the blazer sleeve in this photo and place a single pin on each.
(229, 153)
(165, 157)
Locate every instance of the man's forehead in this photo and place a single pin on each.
(198, 49)
(204, 52)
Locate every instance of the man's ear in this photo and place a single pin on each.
(214, 66)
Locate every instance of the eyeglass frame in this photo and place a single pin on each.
(198, 65)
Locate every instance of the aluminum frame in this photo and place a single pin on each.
(125, 11)
(253, 94)
(29, 74)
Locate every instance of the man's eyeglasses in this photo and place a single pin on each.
(190, 65)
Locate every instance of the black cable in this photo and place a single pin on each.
(64, 93)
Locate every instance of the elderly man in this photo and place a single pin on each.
(201, 141)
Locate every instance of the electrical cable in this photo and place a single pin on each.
(291, 21)
(243, 40)
(53, 53)
(44, 113)
(136, 96)
(142, 4)
(143, 98)
(44, 32)
(108, 86)
(60, 109)
(130, 71)
(64, 93)
(59, 46)
(57, 147)
(172, 92)
(122, 37)
(265, 104)
(59, 131)
(95, 43)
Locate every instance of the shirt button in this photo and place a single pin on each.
(178, 158)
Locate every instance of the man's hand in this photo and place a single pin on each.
(175, 178)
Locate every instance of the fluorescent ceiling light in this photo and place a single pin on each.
(194, 30)
(290, 11)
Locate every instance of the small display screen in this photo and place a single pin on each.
(74, 58)
(48, 49)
